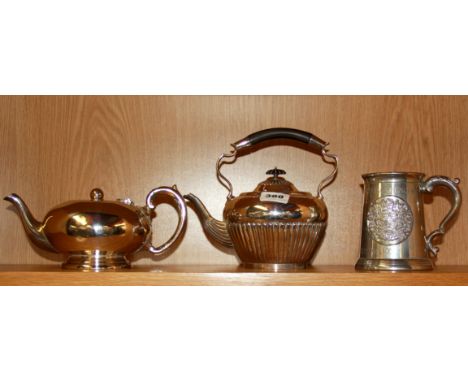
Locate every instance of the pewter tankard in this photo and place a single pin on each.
(393, 232)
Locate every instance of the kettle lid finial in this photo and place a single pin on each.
(96, 194)
(275, 172)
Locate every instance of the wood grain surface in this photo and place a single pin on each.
(227, 275)
(55, 149)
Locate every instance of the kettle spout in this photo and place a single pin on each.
(33, 228)
(215, 229)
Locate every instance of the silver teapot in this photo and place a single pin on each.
(97, 234)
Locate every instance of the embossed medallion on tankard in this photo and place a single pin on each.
(393, 230)
(390, 220)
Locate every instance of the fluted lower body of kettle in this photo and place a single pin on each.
(276, 245)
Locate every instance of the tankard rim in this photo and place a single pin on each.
(393, 175)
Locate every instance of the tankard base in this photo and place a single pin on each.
(96, 261)
(394, 265)
(271, 267)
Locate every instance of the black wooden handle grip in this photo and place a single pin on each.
(280, 133)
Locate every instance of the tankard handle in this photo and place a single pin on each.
(428, 187)
(317, 145)
(182, 212)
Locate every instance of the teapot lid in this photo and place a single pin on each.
(276, 183)
(97, 195)
(97, 204)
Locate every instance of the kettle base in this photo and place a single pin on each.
(96, 261)
(271, 267)
(394, 265)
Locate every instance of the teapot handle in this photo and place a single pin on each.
(258, 137)
(182, 212)
(428, 187)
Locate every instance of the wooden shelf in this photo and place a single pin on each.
(92, 133)
(227, 275)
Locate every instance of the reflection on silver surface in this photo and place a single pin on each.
(274, 211)
(89, 224)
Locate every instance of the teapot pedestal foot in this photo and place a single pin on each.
(96, 261)
(394, 265)
(274, 267)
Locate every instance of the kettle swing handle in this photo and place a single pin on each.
(317, 145)
(182, 212)
(428, 187)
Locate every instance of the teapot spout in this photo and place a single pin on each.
(33, 228)
(215, 229)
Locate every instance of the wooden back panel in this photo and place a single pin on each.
(55, 149)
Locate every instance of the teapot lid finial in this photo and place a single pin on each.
(96, 194)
